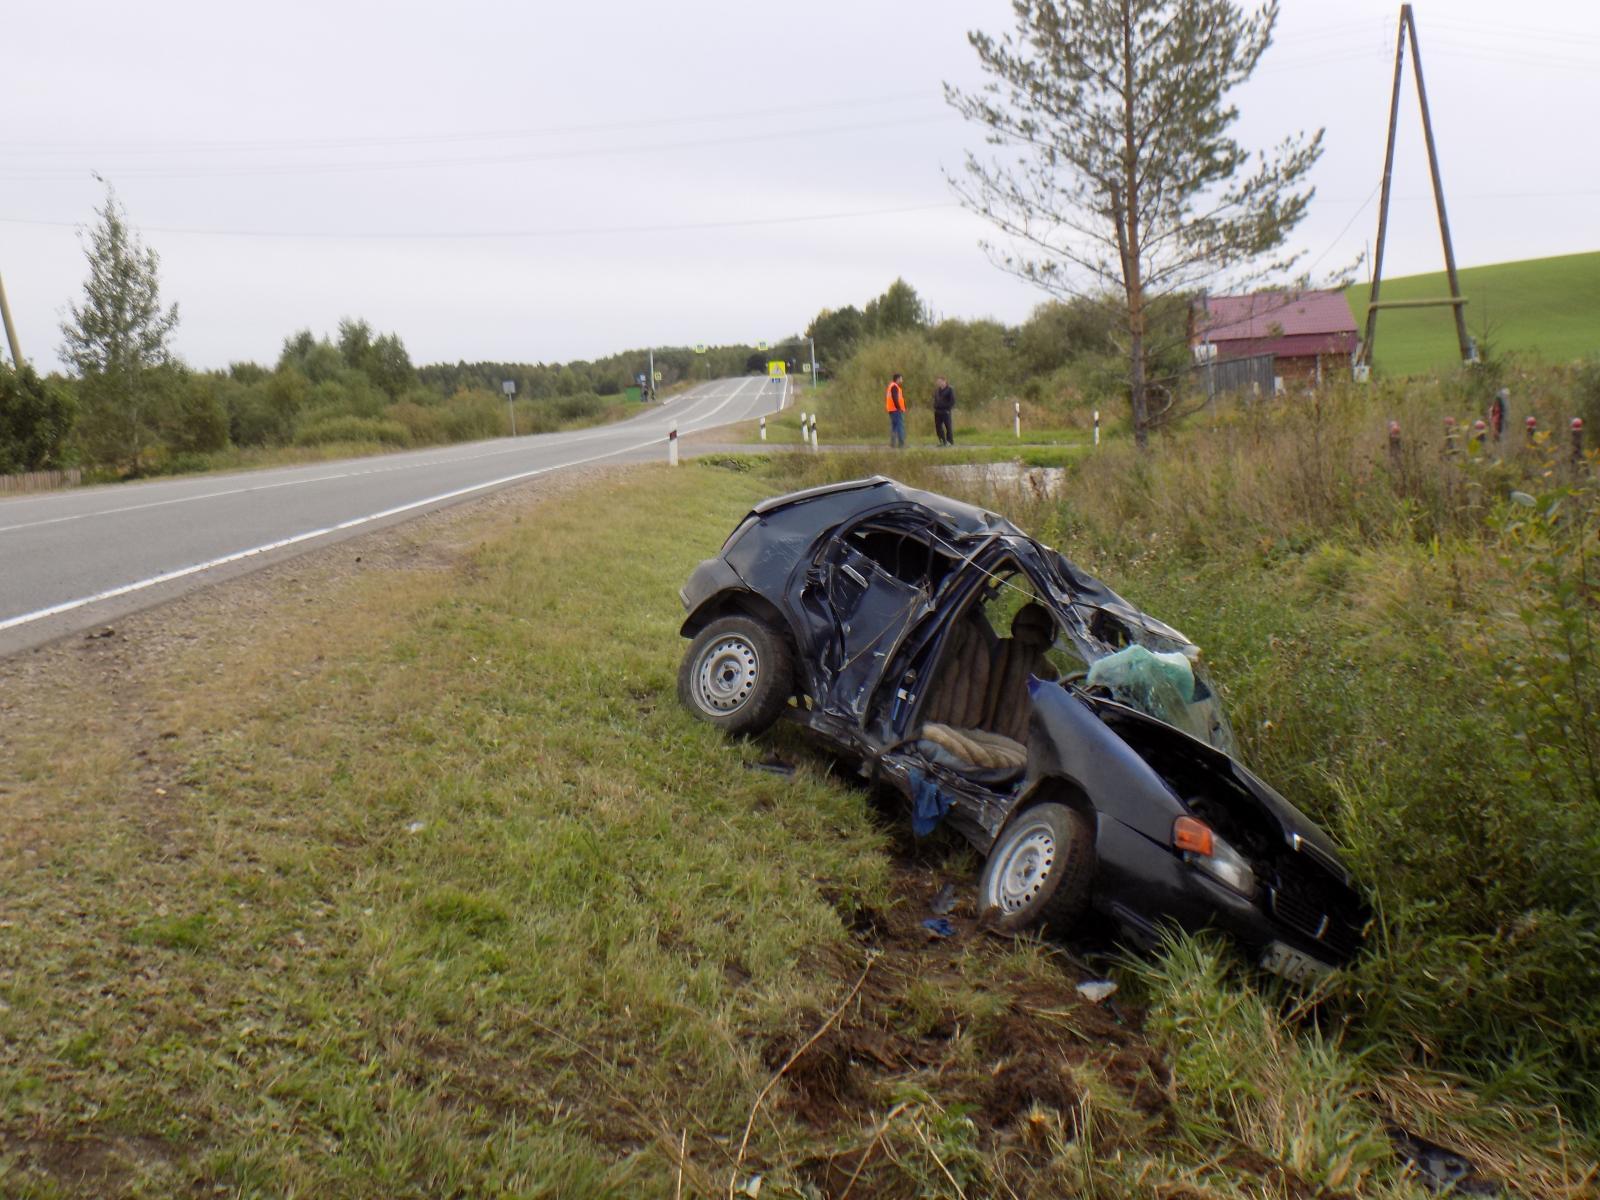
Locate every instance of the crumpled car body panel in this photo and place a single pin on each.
(868, 631)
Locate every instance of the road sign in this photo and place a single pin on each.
(509, 387)
(776, 369)
(658, 376)
(761, 345)
(699, 347)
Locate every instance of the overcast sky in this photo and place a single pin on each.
(543, 182)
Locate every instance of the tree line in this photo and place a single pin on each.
(129, 406)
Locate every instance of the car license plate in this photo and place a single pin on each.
(1292, 964)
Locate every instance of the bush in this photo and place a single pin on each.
(327, 430)
(465, 417)
(188, 413)
(349, 393)
(579, 407)
(474, 416)
(421, 422)
(858, 391)
(36, 416)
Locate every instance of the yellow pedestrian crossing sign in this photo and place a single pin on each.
(776, 369)
(699, 347)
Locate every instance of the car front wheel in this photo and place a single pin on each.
(1039, 869)
(737, 674)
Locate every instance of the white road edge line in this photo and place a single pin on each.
(296, 539)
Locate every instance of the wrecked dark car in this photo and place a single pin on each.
(1074, 740)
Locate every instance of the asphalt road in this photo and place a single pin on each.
(76, 559)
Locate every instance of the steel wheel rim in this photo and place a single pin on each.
(1020, 876)
(727, 675)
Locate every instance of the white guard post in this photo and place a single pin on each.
(763, 429)
(813, 431)
(1097, 427)
(672, 446)
(1017, 405)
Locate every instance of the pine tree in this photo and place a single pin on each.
(1125, 186)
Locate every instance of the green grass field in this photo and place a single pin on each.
(1546, 308)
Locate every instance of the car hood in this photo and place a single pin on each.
(1144, 732)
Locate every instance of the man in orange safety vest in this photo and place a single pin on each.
(894, 403)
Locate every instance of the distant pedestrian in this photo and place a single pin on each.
(894, 403)
(944, 403)
(1499, 410)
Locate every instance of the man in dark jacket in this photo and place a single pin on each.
(944, 402)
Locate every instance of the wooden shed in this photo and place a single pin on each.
(1311, 335)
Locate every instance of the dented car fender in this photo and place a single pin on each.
(1070, 742)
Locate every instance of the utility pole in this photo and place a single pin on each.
(650, 381)
(813, 342)
(1456, 301)
(11, 330)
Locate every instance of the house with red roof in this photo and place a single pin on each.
(1311, 335)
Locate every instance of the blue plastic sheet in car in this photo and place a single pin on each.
(928, 803)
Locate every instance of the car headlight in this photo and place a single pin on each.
(1204, 849)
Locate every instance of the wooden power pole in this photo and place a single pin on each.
(11, 330)
(1455, 300)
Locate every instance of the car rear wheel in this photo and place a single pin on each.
(738, 675)
(1039, 869)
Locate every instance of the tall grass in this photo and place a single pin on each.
(1407, 640)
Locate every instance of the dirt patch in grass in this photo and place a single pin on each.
(952, 1017)
(89, 1166)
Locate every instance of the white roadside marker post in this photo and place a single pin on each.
(1097, 427)
(1017, 406)
(672, 446)
(763, 429)
(814, 431)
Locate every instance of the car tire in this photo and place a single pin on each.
(1039, 869)
(738, 675)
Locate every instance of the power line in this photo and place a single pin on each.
(230, 170)
(373, 140)
(1502, 34)
(505, 234)
(1338, 237)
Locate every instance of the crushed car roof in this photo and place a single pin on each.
(881, 490)
(967, 520)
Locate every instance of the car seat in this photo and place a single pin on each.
(977, 716)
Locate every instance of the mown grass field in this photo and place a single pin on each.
(1545, 308)
(417, 882)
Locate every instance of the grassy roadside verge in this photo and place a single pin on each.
(425, 886)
